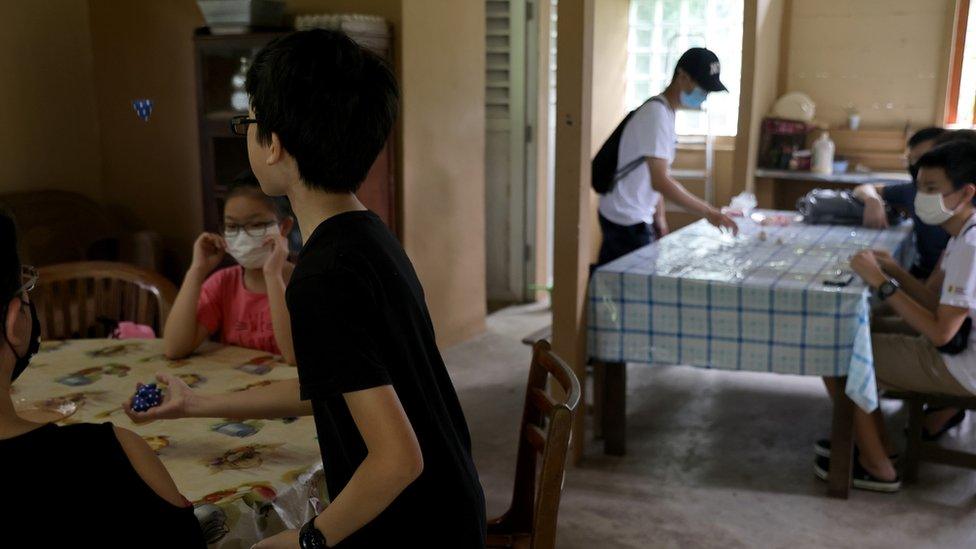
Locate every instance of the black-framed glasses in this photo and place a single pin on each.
(238, 124)
(28, 279)
(250, 229)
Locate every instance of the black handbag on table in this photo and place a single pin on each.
(833, 207)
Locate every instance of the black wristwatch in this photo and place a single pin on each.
(887, 288)
(311, 537)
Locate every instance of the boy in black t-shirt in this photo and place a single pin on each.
(394, 442)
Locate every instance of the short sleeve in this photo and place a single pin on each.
(653, 136)
(336, 331)
(959, 286)
(209, 310)
(901, 195)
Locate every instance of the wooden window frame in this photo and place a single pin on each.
(956, 61)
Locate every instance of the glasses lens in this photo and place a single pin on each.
(258, 229)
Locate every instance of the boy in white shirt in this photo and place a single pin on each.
(635, 204)
(935, 350)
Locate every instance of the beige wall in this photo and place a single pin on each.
(610, 29)
(150, 170)
(49, 137)
(888, 58)
(443, 125)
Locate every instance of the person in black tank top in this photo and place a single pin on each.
(80, 485)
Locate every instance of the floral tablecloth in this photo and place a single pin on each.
(247, 479)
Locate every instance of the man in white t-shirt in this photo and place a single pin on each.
(628, 212)
(934, 349)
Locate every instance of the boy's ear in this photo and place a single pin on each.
(275, 151)
(969, 191)
(10, 321)
(286, 225)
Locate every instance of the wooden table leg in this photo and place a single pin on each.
(599, 392)
(841, 444)
(916, 417)
(614, 408)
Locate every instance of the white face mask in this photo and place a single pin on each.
(248, 250)
(930, 208)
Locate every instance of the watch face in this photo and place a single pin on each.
(886, 289)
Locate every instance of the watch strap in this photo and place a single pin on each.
(311, 537)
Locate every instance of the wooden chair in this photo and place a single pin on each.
(530, 521)
(80, 300)
(918, 450)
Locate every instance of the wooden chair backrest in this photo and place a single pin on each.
(75, 300)
(543, 447)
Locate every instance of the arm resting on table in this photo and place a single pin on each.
(183, 333)
(874, 215)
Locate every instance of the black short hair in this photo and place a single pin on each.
(957, 158)
(956, 135)
(9, 259)
(247, 184)
(331, 102)
(925, 134)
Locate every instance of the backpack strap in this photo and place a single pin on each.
(635, 163)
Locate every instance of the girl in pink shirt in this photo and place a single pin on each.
(244, 305)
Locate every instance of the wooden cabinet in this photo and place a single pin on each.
(223, 155)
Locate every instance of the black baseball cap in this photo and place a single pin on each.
(703, 67)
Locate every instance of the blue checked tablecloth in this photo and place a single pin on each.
(754, 302)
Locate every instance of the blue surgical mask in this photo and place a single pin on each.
(694, 99)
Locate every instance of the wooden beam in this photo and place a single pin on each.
(955, 61)
(574, 79)
(743, 158)
(542, 146)
(783, 75)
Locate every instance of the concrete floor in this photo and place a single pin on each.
(715, 459)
